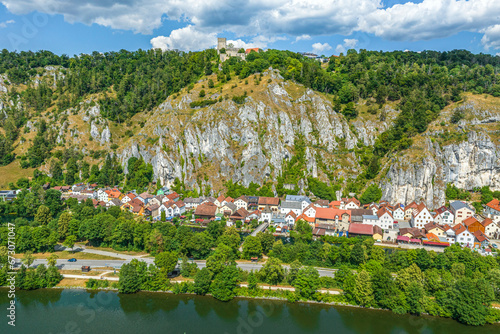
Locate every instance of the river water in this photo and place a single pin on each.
(80, 311)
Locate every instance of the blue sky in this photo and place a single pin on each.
(322, 26)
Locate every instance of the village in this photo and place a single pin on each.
(413, 225)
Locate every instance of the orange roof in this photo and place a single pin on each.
(412, 205)
(221, 198)
(382, 211)
(131, 196)
(335, 203)
(173, 196)
(229, 199)
(269, 201)
(291, 213)
(354, 200)
(480, 236)
(304, 217)
(432, 236)
(469, 221)
(330, 213)
(487, 222)
(494, 204)
(459, 228)
(113, 193)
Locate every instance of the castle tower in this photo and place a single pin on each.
(221, 43)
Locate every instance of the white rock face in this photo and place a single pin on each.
(105, 136)
(469, 164)
(94, 132)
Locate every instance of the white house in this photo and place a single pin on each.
(127, 198)
(218, 201)
(450, 234)
(352, 204)
(288, 206)
(253, 215)
(421, 216)
(461, 211)
(492, 209)
(310, 211)
(398, 213)
(102, 196)
(178, 208)
(241, 202)
(385, 219)
(266, 215)
(463, 236)
(192, 203)
(491, 229)
(444, 216)
(290, 218)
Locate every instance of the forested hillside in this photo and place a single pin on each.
(201, 124)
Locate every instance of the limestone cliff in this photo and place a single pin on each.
(249, 141)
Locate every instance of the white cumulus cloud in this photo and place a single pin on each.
(491, 37)
(348, 44)
(302, 38)
(186, 39)
(320, 48)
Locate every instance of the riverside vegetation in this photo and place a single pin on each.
(457, 283)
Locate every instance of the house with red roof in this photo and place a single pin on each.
(421, 216)
(128, 197)
(491, 229)
(218, 201)
(173, 196)
(340, 219)
(366, 230)
(352, 203)
(493, 208)
(306, 218)
(463, 236)
(481, 240)
(409, 210)
(444, 216)
(310, 210)
(473, 225)
(271, 202)
(290, 218)
(385, 219)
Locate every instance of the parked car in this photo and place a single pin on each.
(494, 245)
(72, 260)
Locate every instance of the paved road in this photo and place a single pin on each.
(65, 265)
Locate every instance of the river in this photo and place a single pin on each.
(80, 311)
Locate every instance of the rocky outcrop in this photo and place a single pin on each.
(245, 143)
(469, 164)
